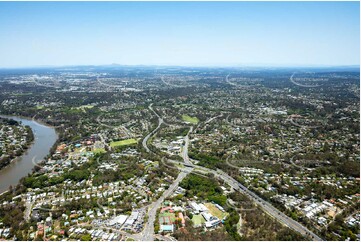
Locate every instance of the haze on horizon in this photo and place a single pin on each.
(180, 33)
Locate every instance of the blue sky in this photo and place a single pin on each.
(179, 33)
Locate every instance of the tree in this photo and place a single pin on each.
(86, 237)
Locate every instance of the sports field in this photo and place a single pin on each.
(198, 220)
(187, 118)
(123, 142)
(166, 218)
(215, 211)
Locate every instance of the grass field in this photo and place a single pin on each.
(82, 108)
(123, 142)
(166, 218)
(198, 220)
(99, 150)
(193, 120)
(215, 211)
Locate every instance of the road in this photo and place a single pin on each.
(185, 147)
(211, 119)
(301, 85)
(169, 84)
(298, 166)
(303, 126)
(233, 84)
(160, 122)
(148, 232)
(133, 236)
(266, 206)
(126, 131)
(230, 83)
(231, 165)
(109, 85)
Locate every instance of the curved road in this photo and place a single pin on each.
(303, 126)
(211, 119)
(301, 85)
(160, 121)
(148, 232)
(233, 84)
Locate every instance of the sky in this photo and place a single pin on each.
(179, 33)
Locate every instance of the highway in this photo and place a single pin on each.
(185, 147)
(109, 85)
(169, 84)
(160, 122)
(303, 126)
(233, 84)
(301, 85)
(266, 206)
(211, 119)
(148, 232)
(230, 83)
(298, 166)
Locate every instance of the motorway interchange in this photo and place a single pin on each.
(148, 232)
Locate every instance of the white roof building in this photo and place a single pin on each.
(118, 220)
(202, 207)
(195, 206)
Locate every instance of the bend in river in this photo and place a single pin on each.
(44, 139)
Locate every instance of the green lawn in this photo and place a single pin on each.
(82, 108)
(193, 120)
(166, 217)
(99, 150)
(198, 220)
(215, 211)
(123, 142)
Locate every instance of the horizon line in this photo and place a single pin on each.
(193, 66)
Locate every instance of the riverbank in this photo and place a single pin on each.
(12, 155)
(39, 121)
(45, 136)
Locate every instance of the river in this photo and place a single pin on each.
(44, 139)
